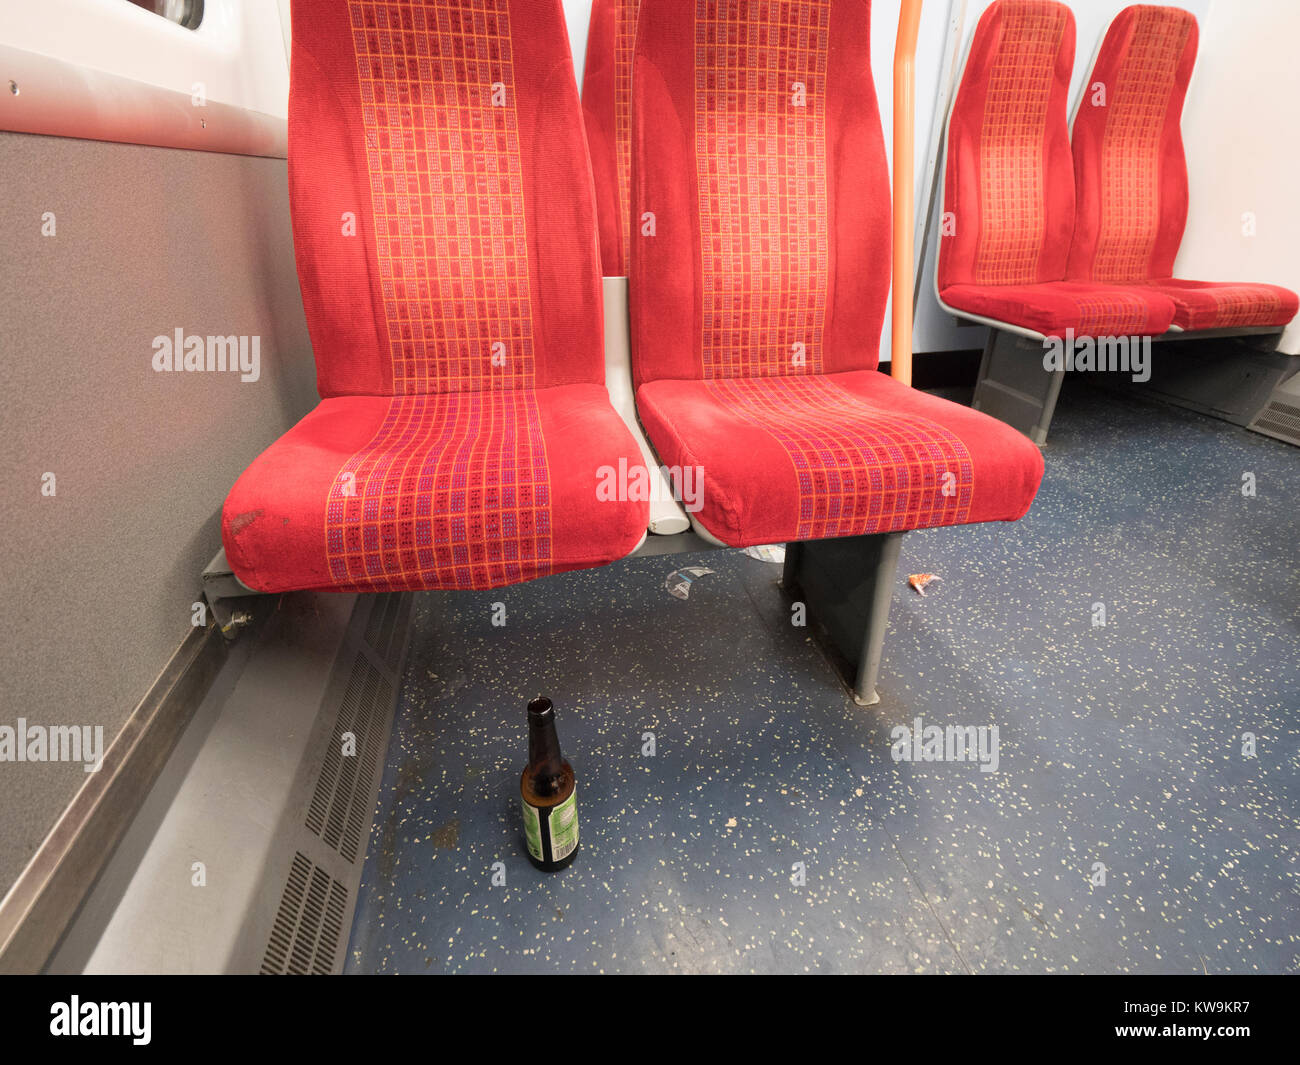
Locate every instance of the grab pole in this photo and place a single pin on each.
(909, 25)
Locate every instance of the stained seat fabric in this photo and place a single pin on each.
(1009, 186)
(757, 298)
(1227, 304)
(1131, 175)
(445, 240)
(437, 490)
(1056, 307)
(812, 457)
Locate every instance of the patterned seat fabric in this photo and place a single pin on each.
(1053, 307)
(1131, 175)
(758, 286)
(1009, 187)
(1227, 304)
(607, 109)
(445, 242)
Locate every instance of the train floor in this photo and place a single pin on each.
(1134, 640)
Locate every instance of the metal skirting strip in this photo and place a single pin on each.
(246, 856)
(43, 901)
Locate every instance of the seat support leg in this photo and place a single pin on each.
(846, 585)
(1014, 387)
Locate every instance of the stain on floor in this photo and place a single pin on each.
(771, 830)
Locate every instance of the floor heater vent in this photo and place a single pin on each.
(339, 811)
(381, 626)
(309, 924)
(1280, 420)
(1280, 416)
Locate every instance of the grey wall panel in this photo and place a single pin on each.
(96, 583)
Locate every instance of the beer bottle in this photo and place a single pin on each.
(550, 799)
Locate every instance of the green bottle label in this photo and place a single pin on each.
(532, 830)
(564, 828)
(559, 829)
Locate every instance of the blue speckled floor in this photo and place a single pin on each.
(1119, 745)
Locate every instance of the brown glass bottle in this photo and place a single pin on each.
(550, 797)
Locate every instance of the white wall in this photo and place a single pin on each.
(1241, 127)
(237, 52)
(577, 13)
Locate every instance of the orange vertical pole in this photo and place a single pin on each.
(904, 278)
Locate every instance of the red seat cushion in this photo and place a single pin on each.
(1227, 304)
(459, 490)
(445, 238)
(1131, 175)
(798, 458)
(1055, 306)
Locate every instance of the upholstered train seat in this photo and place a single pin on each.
(1131, 175)
(437, 490)
(822, 455)
(758, 286)
(1051, 308)
(1227, 304)
(1009, 188)
(446, 248)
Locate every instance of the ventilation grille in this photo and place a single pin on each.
(382, 624)
(340, 805)
(305, 939)
(1281, 420)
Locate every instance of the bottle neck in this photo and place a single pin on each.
(545, 763)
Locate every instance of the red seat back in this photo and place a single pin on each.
(607, 109)
(757, 154)
(442, 208)
(1130, 173)
(1008, 182)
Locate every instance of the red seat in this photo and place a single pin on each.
(758, 290)
(1009, 187)
(1227, 304)
(607, 109)
(1054, 307)
(823, 455)
(446, 247)
(1131, 175)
